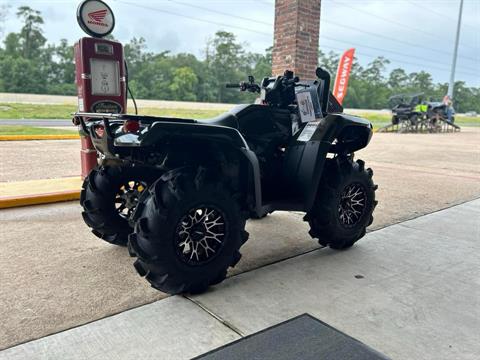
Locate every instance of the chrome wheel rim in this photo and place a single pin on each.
(200, 235)
(352, 205)
(126, 199)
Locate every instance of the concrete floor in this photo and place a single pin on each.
(55, 274)
(433, 154)
(21, 159)
(410, 291)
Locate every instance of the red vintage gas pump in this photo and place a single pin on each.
(100, 71)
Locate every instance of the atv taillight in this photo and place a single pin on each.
(131, 126)
(99, 130)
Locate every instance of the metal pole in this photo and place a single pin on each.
(455, 51)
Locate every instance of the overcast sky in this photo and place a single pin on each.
(414, 34)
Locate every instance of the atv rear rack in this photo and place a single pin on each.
(80, 118)
(86, 120)
(103, 130)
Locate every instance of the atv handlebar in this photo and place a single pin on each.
(244, 86)
(249, 85)
(291, 81)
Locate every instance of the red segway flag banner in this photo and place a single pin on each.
(343, 73)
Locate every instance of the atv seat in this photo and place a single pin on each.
(227, 119)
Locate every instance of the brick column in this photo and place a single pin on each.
(297, 28)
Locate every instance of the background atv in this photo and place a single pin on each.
(407, 110)
(185, 187)
(438, 111)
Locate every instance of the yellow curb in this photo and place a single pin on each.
(26, 200)
(39, 137)
(33, 192)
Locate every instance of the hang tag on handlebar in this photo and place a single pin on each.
(305, 106)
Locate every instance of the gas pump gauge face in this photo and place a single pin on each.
(105, 77)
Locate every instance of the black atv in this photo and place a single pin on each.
(179, 191)
(407, 110)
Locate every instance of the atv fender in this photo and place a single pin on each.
(163, 131)
(336, 133)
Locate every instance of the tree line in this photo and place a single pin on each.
(28, 64)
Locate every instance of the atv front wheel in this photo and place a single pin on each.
(109, 196)
(188, 232)
(344, 204)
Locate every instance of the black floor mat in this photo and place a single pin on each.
(301, 338)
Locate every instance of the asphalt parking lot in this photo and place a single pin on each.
(56, 275)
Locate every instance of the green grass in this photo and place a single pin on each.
(181, 113)
(36, 111)
(31, 130)
(467, 121)
(379, 120)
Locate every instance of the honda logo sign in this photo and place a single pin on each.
(95, 18)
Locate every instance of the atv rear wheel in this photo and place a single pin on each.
(344, 204)
(109, 196)
(188, 232)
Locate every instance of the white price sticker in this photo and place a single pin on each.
(308, 130)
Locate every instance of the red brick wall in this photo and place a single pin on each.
(297, 26)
